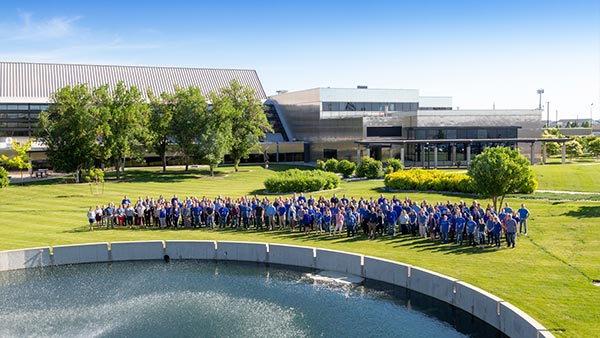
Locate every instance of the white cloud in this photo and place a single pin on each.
(30, 29)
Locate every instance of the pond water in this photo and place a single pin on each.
(215, 299)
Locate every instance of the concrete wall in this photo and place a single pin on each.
(191, 249)
(23, 259)
(491, 309)
(292, 255)
(83, 253)
(478, 302)
(339, 261)
(134, 251)
(242, 251)
(386, 271)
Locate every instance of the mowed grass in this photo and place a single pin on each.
(584, 176)
(549, 275)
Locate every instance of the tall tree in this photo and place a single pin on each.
(124, 113)
(21, 159)
(214, 138)
(189, 114)
(160, 123)
(499, 171)
(69, 130)
(249, 122)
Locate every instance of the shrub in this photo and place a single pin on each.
(346, 168)
(331, 165)
(4, 180)
(388, 170)
(420, 179)
(369, 168)
(395, 164)
(295, 180)
(320, 165)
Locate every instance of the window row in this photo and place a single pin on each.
(39, 107)
(17, 116)
(462, 133)
(370, 106)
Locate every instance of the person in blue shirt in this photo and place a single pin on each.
(125, 200)
(196, 211)
(327, 218)
(307, 221)
(391, 216)
(471, 226)
(523, 216)
(281, 211)
(351, 222)
(422, 219)
(445, 228)
(270, 213)
(318, 221)
(175, 215)
(460, 228)
(223, 212)
(497, 231)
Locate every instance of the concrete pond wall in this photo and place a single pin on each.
(493, 310)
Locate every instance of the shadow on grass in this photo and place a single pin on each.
(584, 211)
(171, 176)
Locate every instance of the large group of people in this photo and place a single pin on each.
(447, 222)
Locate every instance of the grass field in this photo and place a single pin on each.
(569, 177)
(549, 275)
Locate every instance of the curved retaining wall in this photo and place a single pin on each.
(500, 314)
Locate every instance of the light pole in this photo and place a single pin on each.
(540, 92)
(591, 115)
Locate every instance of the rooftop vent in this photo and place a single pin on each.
(281, 91)
(362, 87)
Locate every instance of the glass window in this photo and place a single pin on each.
(421, 134)
(362, 106)
(451, 133)
(349, 106)
(377, 106)
(392, 107)
(482, 133)
(23, 107)
(44, 107)
(471, 133)
(3, 107)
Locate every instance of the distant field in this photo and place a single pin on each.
(569, 177)
(549, 275)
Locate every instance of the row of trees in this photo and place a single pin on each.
(87, 127)
(575, 147)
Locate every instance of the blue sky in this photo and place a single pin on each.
(479, 52)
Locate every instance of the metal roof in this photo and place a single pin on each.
(34, 82)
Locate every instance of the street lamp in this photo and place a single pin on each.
(591, 115)
(540, 92)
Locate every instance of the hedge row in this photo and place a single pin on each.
(420, 179)
(295, 180)
(343, 167)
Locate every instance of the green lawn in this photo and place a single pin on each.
(549, 275)
(583, 176)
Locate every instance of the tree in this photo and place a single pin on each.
(594, 147)
(249, 122)
(216, 131)
(160, 123)
(585, 124)
(123, 123)
(21, 160)
(69, 129)
(552, 148)
(4, 180)
(189, 115)
(573, 148)
(499, 171)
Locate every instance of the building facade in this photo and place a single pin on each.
(347, 123)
